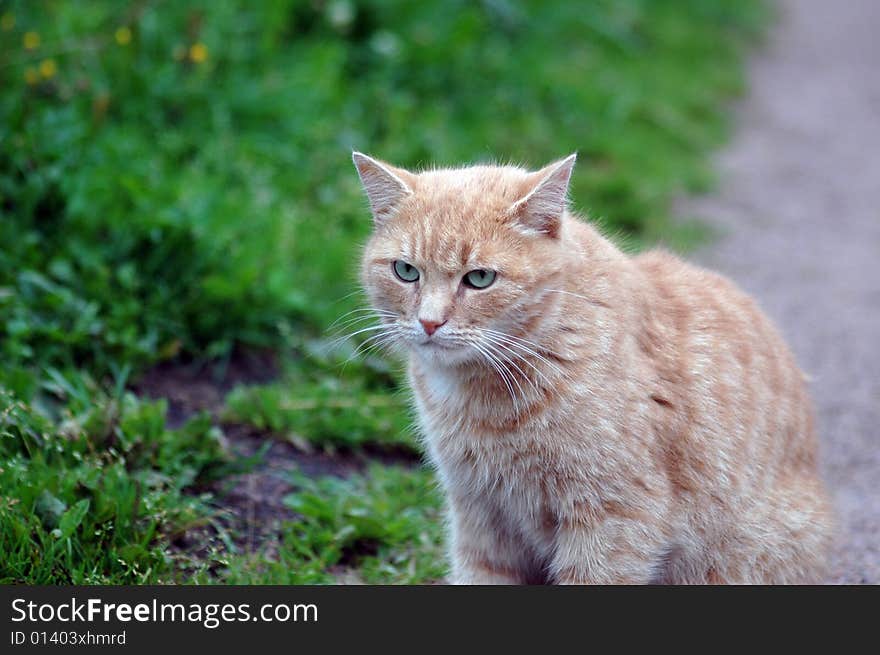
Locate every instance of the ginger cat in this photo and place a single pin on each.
(594, 417)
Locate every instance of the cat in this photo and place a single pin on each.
(594, 417)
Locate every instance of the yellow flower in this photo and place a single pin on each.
(170, 349)
(48, 68)
(31, 40)
(7, 21)
(198, 52)
(31, 75)
(123, 36)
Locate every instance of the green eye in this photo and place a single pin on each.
(404, 271)
(480, 278)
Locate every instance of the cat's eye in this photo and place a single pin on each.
(405, 272)
(479, 279)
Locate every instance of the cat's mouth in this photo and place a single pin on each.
(433, 343)
(441, 352)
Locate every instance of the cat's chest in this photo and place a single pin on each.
(506, 480)
(454, 412)
(485, 450)
(500, 462)
(446, 404)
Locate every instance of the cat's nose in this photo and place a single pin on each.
(431, 326)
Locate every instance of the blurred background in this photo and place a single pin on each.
(180, 225)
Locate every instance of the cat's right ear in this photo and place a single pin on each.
(386, 186)
(540, 210)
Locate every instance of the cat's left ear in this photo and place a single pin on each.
(386, 185)
(540, 210)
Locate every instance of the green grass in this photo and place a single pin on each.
(175, 182)
(339, 416)
(383, 527)
(95, 498)
(332, 399)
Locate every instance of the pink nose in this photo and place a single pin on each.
(431, 326)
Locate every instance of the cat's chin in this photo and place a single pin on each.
(434, 353)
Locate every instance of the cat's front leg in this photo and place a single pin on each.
(481, 550)
(606, 550)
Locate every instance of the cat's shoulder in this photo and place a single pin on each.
(663, 265)
(682, 284)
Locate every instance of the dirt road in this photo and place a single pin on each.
(798, 208)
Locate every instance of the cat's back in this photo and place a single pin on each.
(735, 431)
(724, 365)
(706, 311)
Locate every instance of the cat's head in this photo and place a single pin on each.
(461, 261)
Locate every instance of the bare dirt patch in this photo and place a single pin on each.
(250, 505)
(194, 386)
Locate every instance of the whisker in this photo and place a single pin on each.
(592, 301)
(503, 362)
(363, 313)
(507, 339)
(347, 296)
(372, 342)
(507, 360)
(500, 344)
(378, 345)
(362, 321)
(491, 360)
(522, 341)
(345, 337)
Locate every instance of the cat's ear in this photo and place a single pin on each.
(540, 210)
(386, 186)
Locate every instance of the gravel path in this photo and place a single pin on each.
(798, 208)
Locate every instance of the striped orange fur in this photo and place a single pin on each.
(594, 417)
